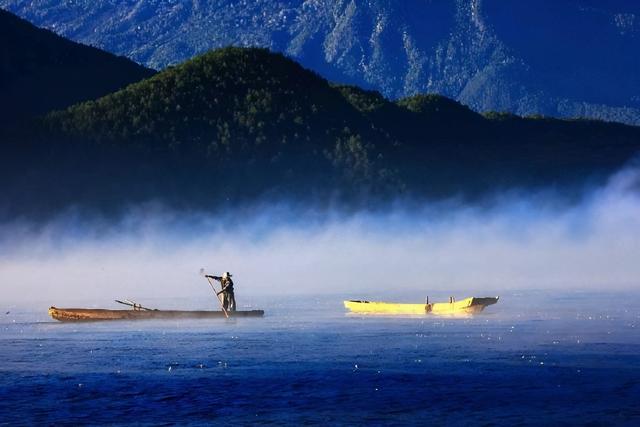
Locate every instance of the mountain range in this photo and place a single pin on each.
(238, 125)
(572, 58)
(41, 71)
(235, 126)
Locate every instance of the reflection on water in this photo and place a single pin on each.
(570, 357)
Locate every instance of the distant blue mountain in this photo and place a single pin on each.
(561, 58)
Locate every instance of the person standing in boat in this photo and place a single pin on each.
(227, 295)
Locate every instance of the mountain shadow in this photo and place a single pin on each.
(41, 71)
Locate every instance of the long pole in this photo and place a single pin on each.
(217, 296)
(135, 305)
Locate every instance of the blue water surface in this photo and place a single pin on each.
(571, 358)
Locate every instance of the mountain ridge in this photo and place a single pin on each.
(41, 71)
(242, 124)
(563, 59)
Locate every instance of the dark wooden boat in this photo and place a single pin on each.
(98, 314)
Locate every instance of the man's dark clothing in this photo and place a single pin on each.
(227, 295)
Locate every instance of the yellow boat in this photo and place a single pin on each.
(465, 307)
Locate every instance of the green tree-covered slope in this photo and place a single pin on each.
(240, 124)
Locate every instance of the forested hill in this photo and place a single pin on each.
(40, 71)
(241, 124)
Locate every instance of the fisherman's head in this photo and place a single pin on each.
(226, 275)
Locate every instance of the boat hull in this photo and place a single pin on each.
(465, 307)
(89, 314)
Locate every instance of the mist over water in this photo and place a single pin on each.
(561, 347)
(519, 241)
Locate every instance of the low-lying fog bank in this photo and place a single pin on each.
(517, 242)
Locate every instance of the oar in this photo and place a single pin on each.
(214, 291)
(135, 305)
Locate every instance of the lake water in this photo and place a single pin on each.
(568, 358)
